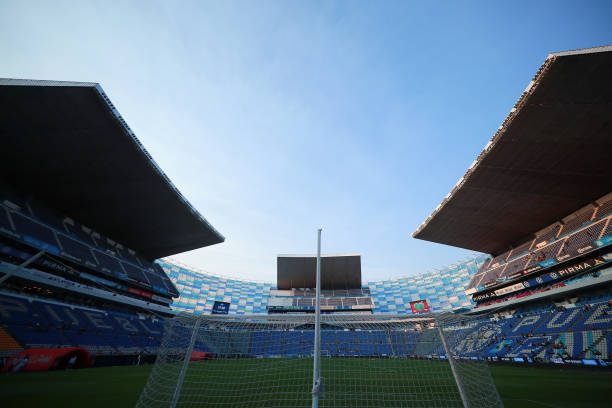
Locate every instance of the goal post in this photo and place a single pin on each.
(366, 361)
(468, 364)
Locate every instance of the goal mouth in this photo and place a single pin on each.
(365, 360)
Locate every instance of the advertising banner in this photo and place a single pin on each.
(419, 306)
(42, 359)
(571, 269)
(201, 355)
(140, 292)
(557, 360)
(220, 308)
(511, 288)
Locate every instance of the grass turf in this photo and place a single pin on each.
(118, 387)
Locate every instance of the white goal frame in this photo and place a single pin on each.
(450, 380)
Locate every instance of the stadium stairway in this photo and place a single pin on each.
(8, 342)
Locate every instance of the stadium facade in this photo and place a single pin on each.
(199, 290)
(443, 290)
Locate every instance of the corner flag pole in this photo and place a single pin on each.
(316, 378)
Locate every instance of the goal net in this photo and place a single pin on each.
(366, 361)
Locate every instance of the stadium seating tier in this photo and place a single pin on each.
(27, 222)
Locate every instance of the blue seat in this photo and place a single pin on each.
(150, 328)
(307, 346)
(158, 270)
(98, 322)
(129, 324)
(383, 349)
(80, 338)
(155, 280)
(132, 258)
(400, 343)
(118, 339)
(14, 310)
(380, 337)
(107, 262)
(574, 343)
(530, 346)
(32, 336)
(76, 249)
(504, 325)
(135, 273)
(525, 325)
(329, 345)
(77, 232)
(198, 346)
(599, 316)
(559, 321)
(60, 316)
(291, 346)
(365, 343)
(35, 233)
(345, 343)
(149, 342)
(273, 343)
(258, 341)
(45, 323)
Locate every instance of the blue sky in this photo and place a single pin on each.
(275, 118)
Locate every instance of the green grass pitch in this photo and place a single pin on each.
(118, 387)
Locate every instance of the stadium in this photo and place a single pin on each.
(93, 304)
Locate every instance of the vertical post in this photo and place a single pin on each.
(316, 378)
(179, 383)
(449, 356)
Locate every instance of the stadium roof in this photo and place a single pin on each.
(66, 144)
(337, 271)
(549, 157)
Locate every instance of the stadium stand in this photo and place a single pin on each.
(86, 276)
(580, 331)
(577, 332)
(199, 291)
(546, 223)
(549, 235)
(33, 322)
(581, 236)
(78, 241)
(539, 336)
(50, 234)
(443, 289)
